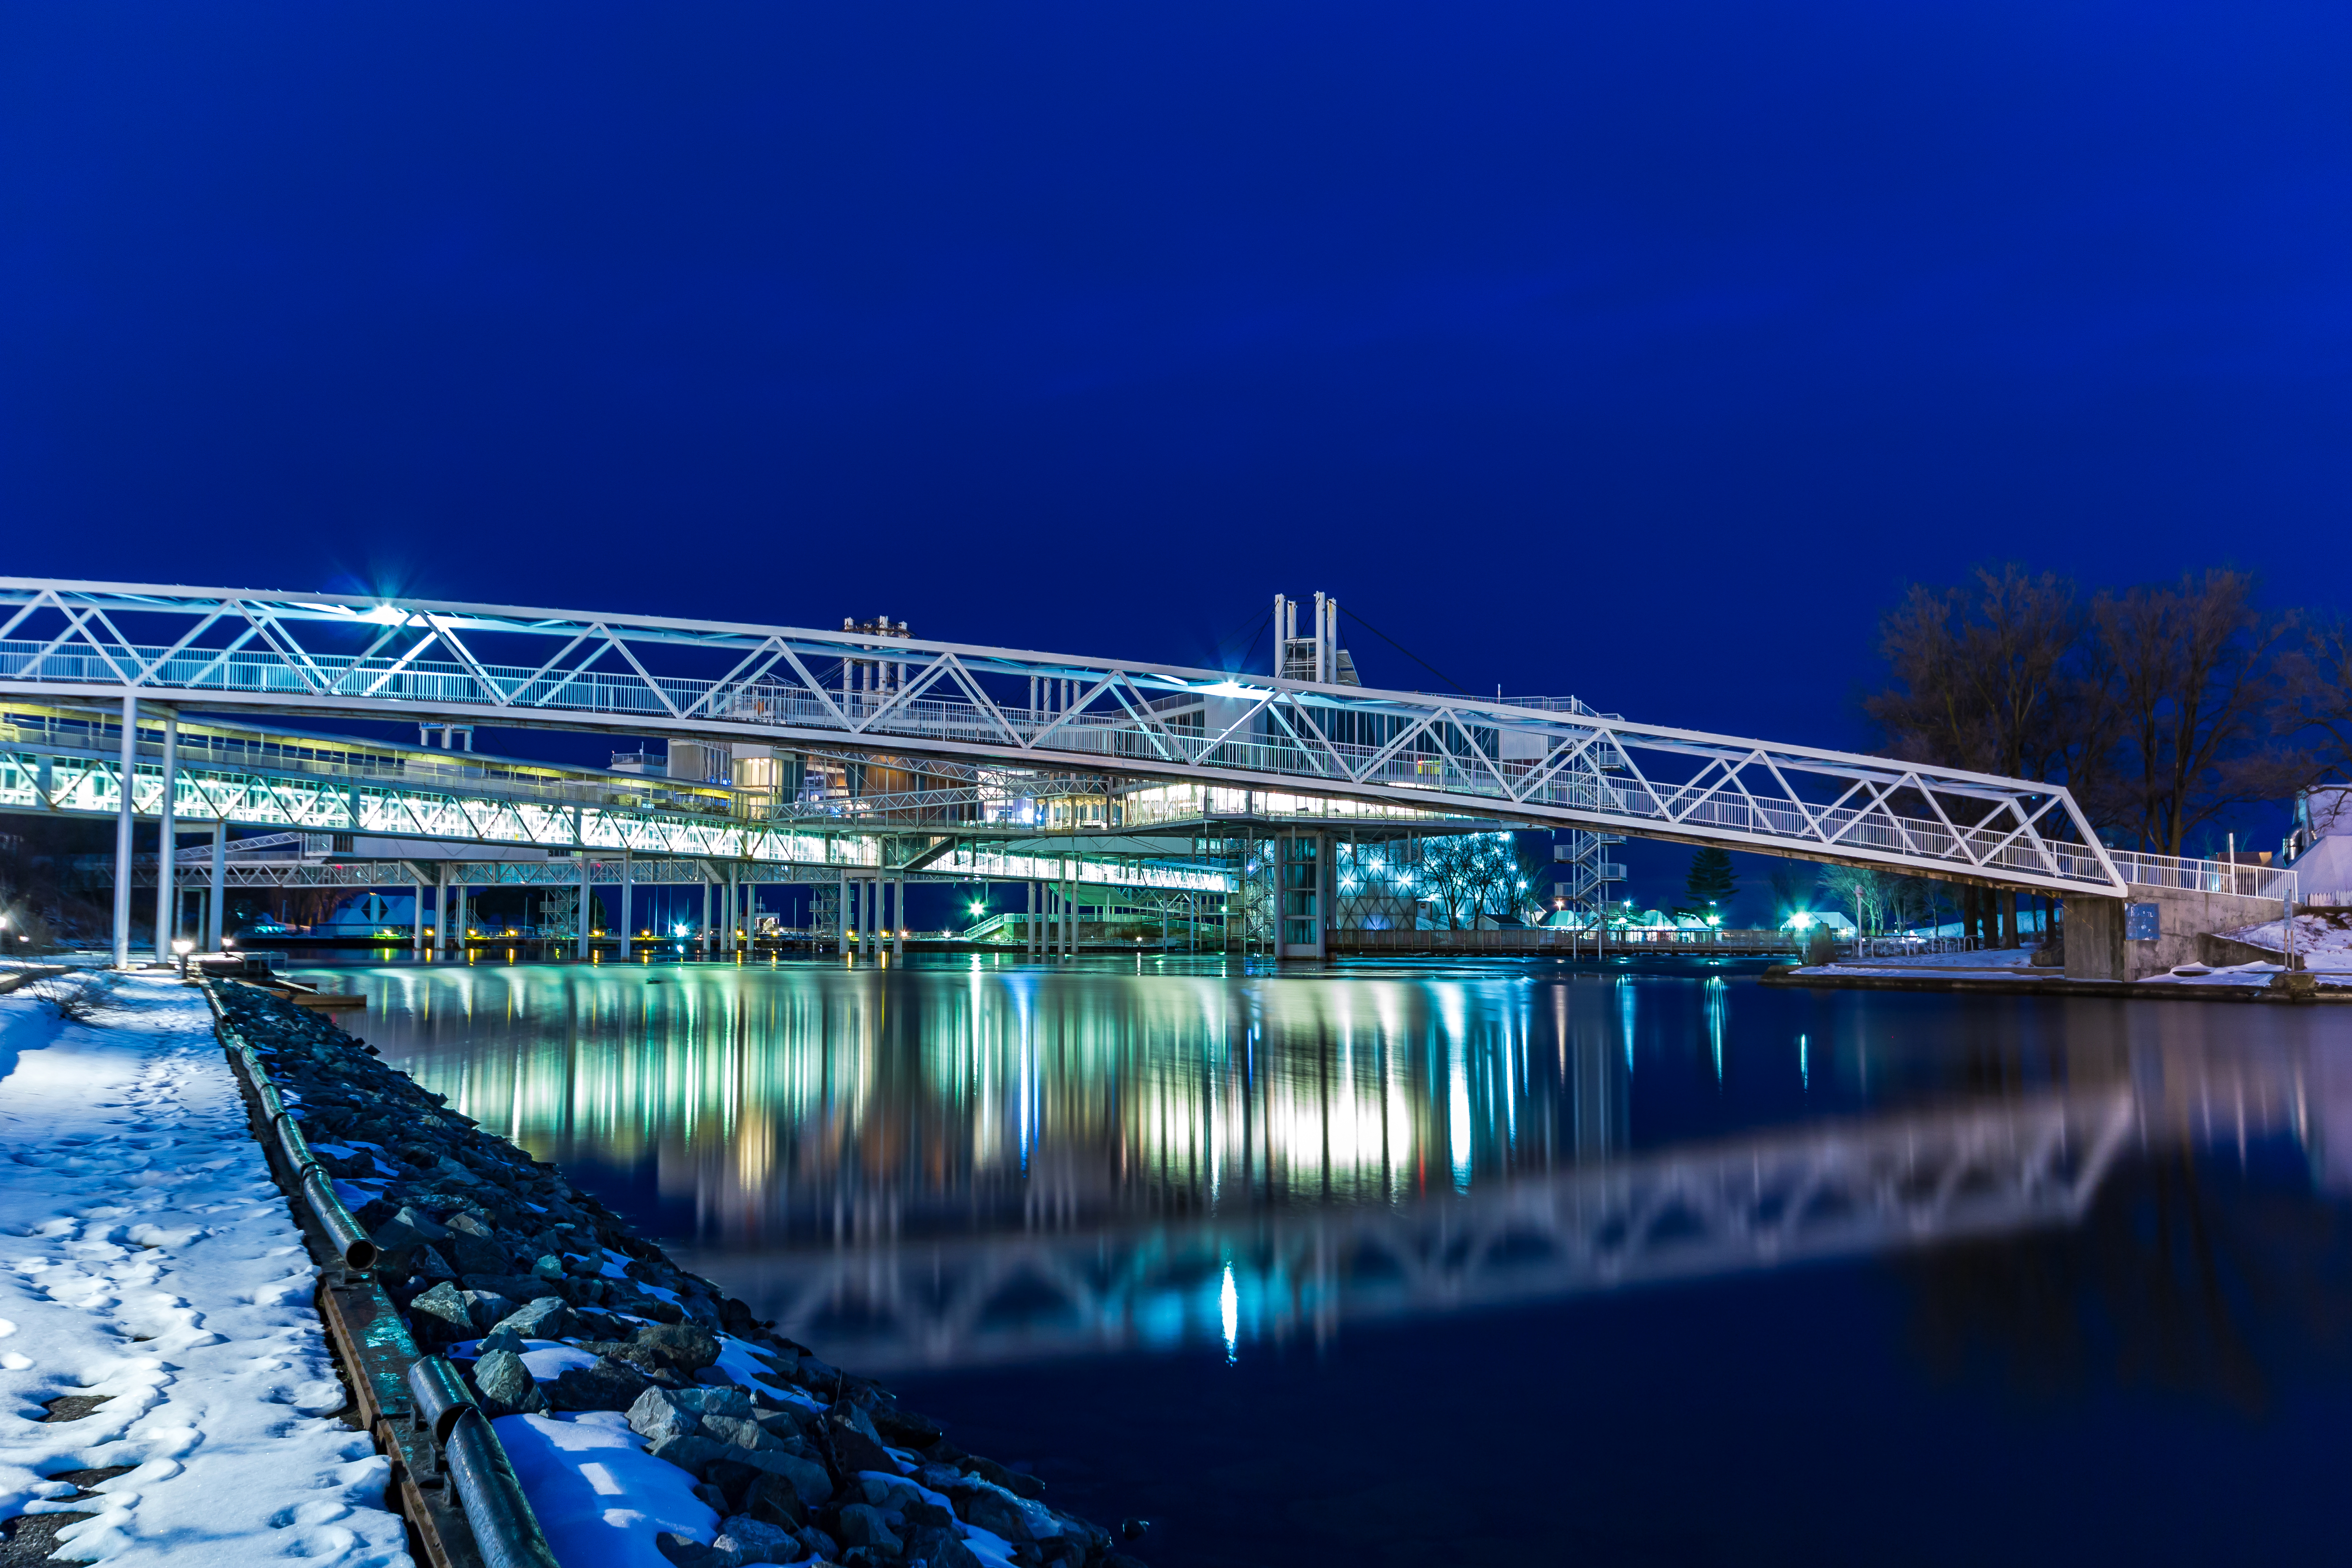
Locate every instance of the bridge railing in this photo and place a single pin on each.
(1549, 761)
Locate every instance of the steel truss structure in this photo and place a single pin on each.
(88, 782)
(1542, 762)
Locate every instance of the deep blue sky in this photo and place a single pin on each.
(1641, 351)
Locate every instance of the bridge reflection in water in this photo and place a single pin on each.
(951, 1165)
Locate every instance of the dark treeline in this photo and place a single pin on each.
(2163, 708)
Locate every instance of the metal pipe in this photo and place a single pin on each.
(1320, 615)
(167, 844)
(505, 1530)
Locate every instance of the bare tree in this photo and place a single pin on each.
(1980, 674)
(2314, 699)
(2190, 666)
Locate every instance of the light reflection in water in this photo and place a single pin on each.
(958, 1164)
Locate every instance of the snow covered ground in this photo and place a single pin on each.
(2324, 946)
(147, 1259)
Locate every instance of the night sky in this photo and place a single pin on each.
(1639, 352)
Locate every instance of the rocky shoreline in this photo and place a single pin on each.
(553, 1307)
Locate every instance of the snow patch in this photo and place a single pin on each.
(151, 1261)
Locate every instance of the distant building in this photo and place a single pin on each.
(1808, 920)
(2319, 850)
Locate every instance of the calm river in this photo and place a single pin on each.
(1432, 1265)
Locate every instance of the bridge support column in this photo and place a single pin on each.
(899, 918)
(840, 918)
(220, 884)
(167, 844)
(416, 928)
(122, 833)
(580, 926)
(628, 911)
(705, 927)
(457, 917)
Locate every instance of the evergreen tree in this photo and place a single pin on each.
(1709, 882)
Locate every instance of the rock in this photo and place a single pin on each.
(407, 1229)
(606, 1385)
(727, 1401)
(439, 1317)
(992, 1511)
(547, 1266)
(736, 1430)
(756, 1541)
(1018, 1482)
(954, 1553)
(1134, 1529)
(710, 1497)
(486, 1310)
(885, 1492)
(657, 1413)
(854, 1440)
(807, 1476)
(773, 1499)
(426, 1263)
(546, 1317)
(516, 1288)
(688, 1553)
(500, 1339)
(862, 1524)
(691, 1453)
(505, 1387)
(904, 1429)
(674, 1347)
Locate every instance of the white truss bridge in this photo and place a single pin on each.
(1229, 739)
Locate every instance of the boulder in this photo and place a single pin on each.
(426, 1263)
(756, 1541)
(487, 1308)
(407, 1229)
(807, 1478)
(546, 1317)
(674, 1347)
(729, 1400)
(547, 1266)
(606, 1385)
(1018, 1482)
(439, 1317)
(736, 1430)
(854, 1441)
(504, 1386)
(993, 1512)
(690, 1452)
(657, 1413)
(904, 1428)
(688, 1553)
(773, 1499)
(862, 1524)
(956, 1555)
(500, 1338)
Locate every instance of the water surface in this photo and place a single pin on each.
(1640, 1263)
